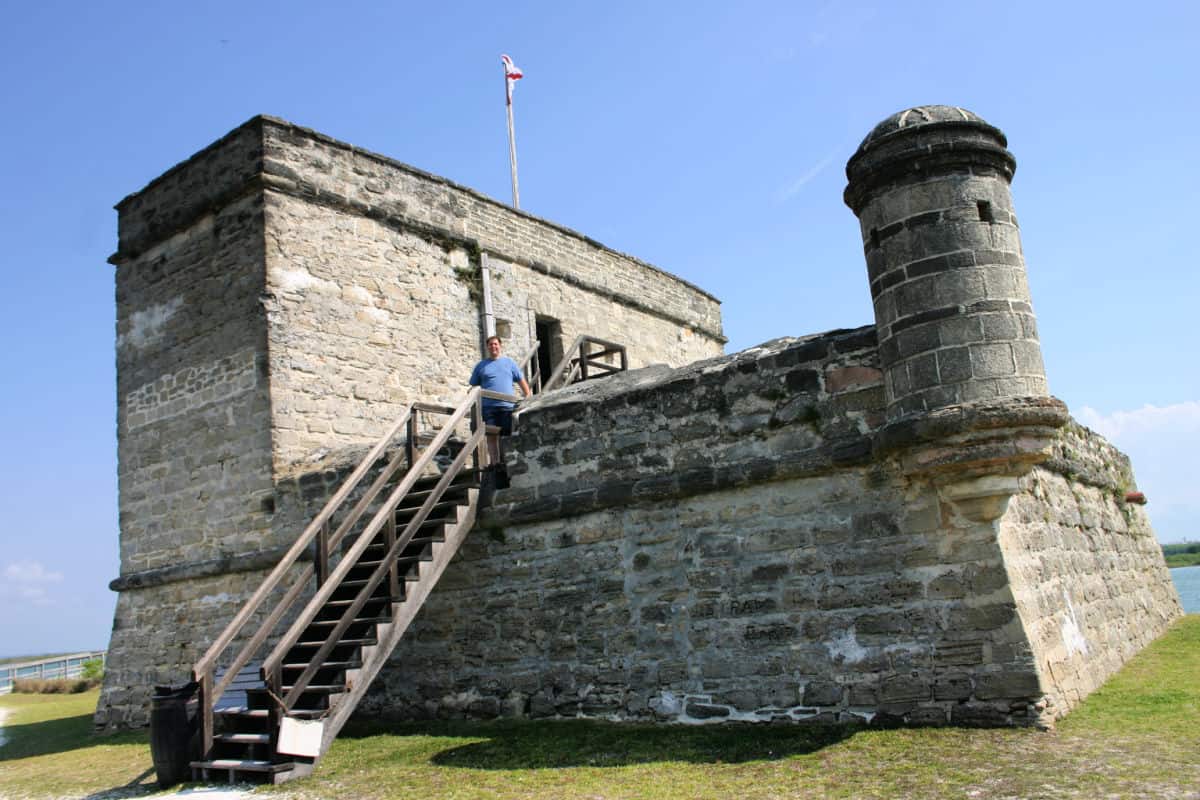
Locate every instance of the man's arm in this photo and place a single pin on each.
(519, 378)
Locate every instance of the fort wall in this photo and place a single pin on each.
(729, 541)
(1086, 570)
(895, 523)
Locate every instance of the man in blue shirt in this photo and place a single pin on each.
(498, 373)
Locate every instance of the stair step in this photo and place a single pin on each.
(327, 688)
(357, 584)
(442, 508)
(244, 738)
(467, 476)
(260, 713)
(416, 497)
(355, 664)
(372, 599)
(424, 555)
(374, 564)
(311, 643)
(329, 623)
(242, 765)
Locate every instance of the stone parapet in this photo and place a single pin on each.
(788, 408)
(724, 542)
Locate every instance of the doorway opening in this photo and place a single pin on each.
(549, 336)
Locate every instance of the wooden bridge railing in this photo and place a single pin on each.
(582, 363)
(531, 367)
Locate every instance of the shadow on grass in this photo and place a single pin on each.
(74, 735)
(59, 736)
(143, 784)
(575, 743)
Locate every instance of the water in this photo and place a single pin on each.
(1187, 581)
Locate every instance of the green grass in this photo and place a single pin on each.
(1182, 554)
(50, 750)
(1183, 560)
(1137, 736)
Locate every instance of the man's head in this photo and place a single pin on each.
(493, 347)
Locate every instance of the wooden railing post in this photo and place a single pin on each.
(275, 710)
(583, 360)
(480, 457)
(322, 565)
(206, 712)
(389, 538)
(410, 443)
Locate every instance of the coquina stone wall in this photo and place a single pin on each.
(194, 458)
(281, 297)
(720, 542)
(1086, 569)
(373, 291)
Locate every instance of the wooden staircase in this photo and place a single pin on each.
(348, 588)
(368, 588)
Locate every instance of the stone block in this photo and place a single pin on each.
(923, 371)
(823, 693)
(1009, 685)
(1028, 357)
(992, 360)
(852, 377)
(705, 710)
(954, 364)
(900, 689)
(978, 715)
(1000, 327)
(918, 340)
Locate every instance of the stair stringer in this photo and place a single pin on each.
(390, 633)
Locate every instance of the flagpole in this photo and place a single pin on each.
(512, 140)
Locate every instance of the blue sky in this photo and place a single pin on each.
(708, 138)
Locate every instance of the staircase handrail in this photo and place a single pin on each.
(208, 661)
(273, 664)
(318, 530)
(397, 545)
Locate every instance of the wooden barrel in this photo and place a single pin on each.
(173, 727)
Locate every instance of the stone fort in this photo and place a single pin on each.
(891, 523)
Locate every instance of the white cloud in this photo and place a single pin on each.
(1163, 442)
(1181, 418)
(28, 581)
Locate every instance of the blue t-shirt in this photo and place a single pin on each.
(497, 375)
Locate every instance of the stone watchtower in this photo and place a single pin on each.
(930, 186)
(963, 377)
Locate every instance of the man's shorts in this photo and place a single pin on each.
(499, 415)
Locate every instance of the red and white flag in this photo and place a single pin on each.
(511, 73)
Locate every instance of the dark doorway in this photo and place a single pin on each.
(549, 336)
